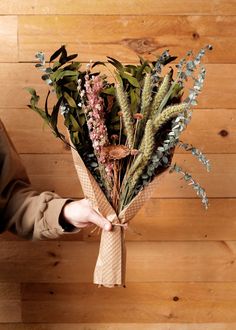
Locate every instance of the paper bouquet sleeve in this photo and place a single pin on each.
(111, 262)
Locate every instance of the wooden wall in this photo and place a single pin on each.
(181, 270)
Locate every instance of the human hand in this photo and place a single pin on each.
(81, 214)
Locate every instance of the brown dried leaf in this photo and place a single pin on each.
(115, 151)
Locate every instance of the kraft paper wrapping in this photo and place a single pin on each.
(111, 262)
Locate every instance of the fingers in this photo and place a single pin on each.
(100, 221)
(80, 213)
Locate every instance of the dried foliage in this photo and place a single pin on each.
(126, 130)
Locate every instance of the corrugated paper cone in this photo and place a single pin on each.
(111, 261)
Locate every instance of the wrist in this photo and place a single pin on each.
(63, 221)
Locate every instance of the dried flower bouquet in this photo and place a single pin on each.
(123, 134)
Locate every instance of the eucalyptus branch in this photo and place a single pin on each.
(196, 186)
(197, 153)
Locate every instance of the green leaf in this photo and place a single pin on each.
(115, 63)
(56, 65)
(33, 104)
(40, 56)
(74, 123)
(75, 137)
(57, 53)
(70, 100)
(170, 59)
(45, 77)
(60, 73)
(118, 77)
(38, 111)
(82, 120)
(73, 66)
(109, 90)
(46, 106)
(140, 70)
(34, 97)
(54, 118)
(31, 90)
(58, 90)
(98, 63)
(38, 65)
(133, 100)
(71, 86)
(64, 74)
(63, 57)
(132, 80)
(71, 57)
(49, 70)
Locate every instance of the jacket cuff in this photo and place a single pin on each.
(52, 215)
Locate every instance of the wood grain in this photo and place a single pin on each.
(181, 269)
(119, 326)
(128, 35)
(171, 220)
(8, 39)
(74, 262)
(15, 77)
(10, 306)
(142, 302)
(50, 172)
(181, 219)
(24, 125)
(120, 7)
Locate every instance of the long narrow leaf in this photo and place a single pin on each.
(57, 53)
(46, 106)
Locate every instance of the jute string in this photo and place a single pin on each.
(111, 262)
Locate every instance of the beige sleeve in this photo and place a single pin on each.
(23, 210)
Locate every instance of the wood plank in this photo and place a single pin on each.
(219, 137)
(50, 172)
(8, 39)
(74, 262)
(180, 219)
(15, 77)
(142, 302)
(120, 7)
(24, 126)
(9, 236)
(171, 220)
(10, 307)
(128, 35)
(119, 326)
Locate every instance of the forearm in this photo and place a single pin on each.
(23, 210)
(31, 214)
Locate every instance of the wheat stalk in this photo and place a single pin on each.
(146, 97)
(142, 161)
(167, 114)
(126, 114)
(163, 89)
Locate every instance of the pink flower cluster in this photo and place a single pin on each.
(96, 119)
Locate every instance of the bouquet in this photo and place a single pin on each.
(124, 126)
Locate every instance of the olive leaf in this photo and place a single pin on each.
(57, 53)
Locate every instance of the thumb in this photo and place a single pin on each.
(100, 221)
